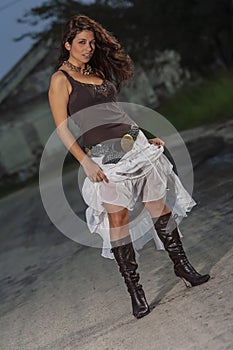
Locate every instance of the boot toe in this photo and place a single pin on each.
(202, 279)
(142, 312)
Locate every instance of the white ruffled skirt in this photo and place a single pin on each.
(144, 174)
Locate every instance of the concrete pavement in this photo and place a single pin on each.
(58, 295)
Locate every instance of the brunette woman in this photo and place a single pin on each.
(120, 163)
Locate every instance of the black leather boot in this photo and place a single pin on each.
(125, 257)
(167, 231)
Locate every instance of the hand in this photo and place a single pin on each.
(156, 141)
(93, 171)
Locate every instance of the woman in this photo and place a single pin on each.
(120, 163)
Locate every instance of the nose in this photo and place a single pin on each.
(89, 46)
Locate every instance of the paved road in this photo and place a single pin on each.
(59, 295)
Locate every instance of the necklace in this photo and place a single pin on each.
(85, 71)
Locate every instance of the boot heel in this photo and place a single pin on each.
(167, 231)
(191, 279)
(187, 283)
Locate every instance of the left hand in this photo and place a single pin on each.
(156, 141)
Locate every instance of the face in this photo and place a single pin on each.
(82, 48)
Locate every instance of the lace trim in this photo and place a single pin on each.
(103, 89)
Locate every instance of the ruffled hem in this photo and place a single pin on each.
(144, 174)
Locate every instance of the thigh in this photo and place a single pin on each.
(157, 208)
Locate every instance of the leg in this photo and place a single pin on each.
(124, 254)
(166, 228)
(118, 218)
(157, 208)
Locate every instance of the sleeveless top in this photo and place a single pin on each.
(94, 109)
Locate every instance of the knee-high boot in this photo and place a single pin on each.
(167, 231)
(125, 257)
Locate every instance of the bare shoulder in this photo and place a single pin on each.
(58, 78)
(59, 83)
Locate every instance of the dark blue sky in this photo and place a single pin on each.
(10, 11)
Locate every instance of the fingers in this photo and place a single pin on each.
(157, 141)
(104, 177)
(160, 143)
(100, 176)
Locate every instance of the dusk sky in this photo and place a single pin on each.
(10, 11)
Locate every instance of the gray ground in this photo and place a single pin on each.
(59, 295)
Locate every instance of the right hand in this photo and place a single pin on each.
(93, 171)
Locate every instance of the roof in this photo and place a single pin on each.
(22, 68)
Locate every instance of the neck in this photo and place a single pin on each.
(85, 70)
(79, 65)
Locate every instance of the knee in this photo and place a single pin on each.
(118, 218)
(156, 205)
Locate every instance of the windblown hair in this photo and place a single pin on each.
(109, 59)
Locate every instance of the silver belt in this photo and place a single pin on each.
(113, 151)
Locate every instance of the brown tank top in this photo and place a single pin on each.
(94, 109)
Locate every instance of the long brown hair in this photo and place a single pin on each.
(109, 59)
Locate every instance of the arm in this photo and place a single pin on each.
(58, 98)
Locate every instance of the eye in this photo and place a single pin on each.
(82, 42)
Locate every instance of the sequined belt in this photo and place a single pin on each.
(113, 151)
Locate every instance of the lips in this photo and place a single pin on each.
(87, 55)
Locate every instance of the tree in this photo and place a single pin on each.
(201, 31)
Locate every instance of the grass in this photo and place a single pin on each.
(209, 102)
